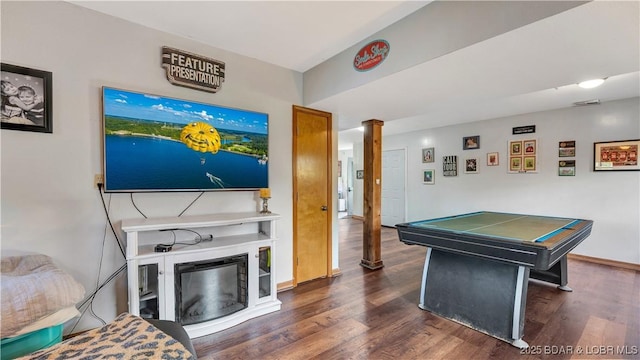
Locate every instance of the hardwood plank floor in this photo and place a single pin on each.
(366, 314)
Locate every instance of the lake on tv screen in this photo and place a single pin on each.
(148, 163)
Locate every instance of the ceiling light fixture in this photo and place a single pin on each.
(590, 84)
(587, 102)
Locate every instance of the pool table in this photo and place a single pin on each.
(478, 265)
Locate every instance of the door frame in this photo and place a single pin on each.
(330, 198)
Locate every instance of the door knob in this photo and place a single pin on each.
(323, 208)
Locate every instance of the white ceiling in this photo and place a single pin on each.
(533, 68)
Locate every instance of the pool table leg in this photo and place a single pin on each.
(519, 305)
(564, 274)
(557, 274)
(424, 279)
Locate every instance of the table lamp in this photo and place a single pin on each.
(265, 195)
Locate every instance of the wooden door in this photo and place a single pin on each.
(312, 196)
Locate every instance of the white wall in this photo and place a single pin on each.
(49, 203)
(611, 199)
(436, 29)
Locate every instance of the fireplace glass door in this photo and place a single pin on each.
(210, 289)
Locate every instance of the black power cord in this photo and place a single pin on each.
(89, 299)
(106, 212)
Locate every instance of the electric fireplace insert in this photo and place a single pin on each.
(210, 289)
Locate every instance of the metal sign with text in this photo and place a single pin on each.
(371, 55)
(192, 71)
(529, 129)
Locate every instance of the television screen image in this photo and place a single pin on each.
(156, 143)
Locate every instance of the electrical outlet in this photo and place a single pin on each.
(98, 179)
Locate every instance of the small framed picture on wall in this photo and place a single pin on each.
(567, 168)
(471, 166)
(567, 148)
(515, 164)
(493, 159)
(515, 147)
(428, 155)
(429, 177)
(529, 163)
(471, 142)
(529, 147)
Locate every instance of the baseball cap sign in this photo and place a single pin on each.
(371, 55)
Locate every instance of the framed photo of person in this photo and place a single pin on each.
(471, 142)
(428, 155)
(26, 99)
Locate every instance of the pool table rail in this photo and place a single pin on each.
(536, 255)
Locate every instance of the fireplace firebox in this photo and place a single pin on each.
(210, 289)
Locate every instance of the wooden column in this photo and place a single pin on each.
(371, 254)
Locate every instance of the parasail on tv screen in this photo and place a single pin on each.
(155, 143)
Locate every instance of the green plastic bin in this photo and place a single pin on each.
(11, 348)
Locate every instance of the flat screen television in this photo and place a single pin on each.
(155, 143)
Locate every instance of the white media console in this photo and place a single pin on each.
(151, 277)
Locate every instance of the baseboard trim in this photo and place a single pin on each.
(356, 217)
(614, 263)
(284, 286)
(335, 272)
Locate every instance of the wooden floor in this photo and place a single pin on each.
(366, 314)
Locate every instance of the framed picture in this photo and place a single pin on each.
(359, 174)
(450, 165)
(429, 177)
(471, 166)
(523, 156)
(567, 148)
(515, 164)
(471, 142)
(26, 99)
(616, 155)
(428, 155)
(493, 159)
(529, 163)
(567, 168)
(529, 147)
(515, 147)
